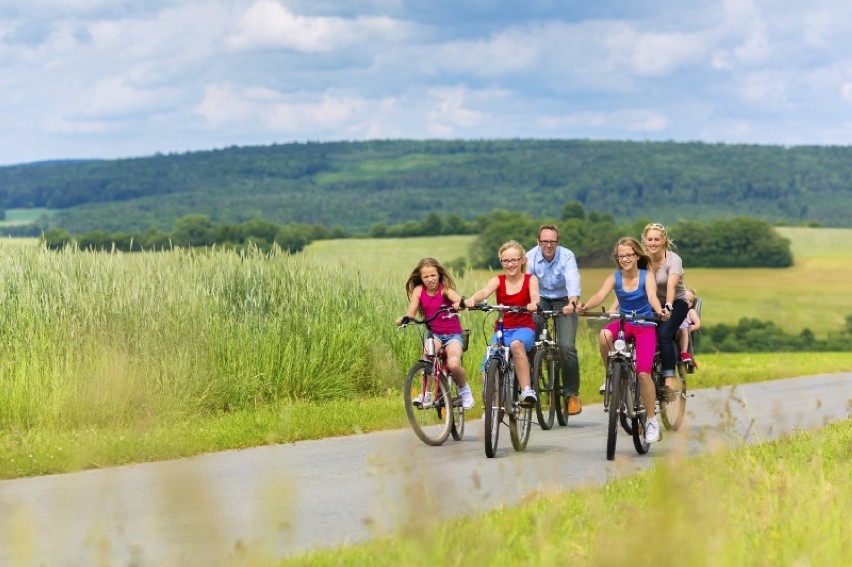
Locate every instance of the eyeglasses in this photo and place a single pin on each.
(656, 226)
(625, 257)
(509, 261)
(549, 242)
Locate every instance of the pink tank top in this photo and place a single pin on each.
(430, 305)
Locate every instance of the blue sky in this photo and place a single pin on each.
(119, 78)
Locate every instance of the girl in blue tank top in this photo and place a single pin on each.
(636, 293)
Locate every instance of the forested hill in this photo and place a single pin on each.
(357, 184)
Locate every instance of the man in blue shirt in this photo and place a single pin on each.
(559, 285)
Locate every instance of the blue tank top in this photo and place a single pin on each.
(637, 300)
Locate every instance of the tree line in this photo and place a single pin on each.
(736, 243)
(192, 231)
(359, 185)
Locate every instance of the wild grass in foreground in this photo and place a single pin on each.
(782, 503)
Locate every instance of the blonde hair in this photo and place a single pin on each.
(669, 244)
(517, 246)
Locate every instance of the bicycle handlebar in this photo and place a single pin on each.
(610, 316)
(550, 313)
(487, 307)
(406, 320)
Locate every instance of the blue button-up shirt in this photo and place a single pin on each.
(558, 277)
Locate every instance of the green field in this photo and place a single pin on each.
(118, 358)
(812, 294)
(23, 216)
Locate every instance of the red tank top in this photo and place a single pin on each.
(520, 299)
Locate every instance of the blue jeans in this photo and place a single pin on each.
(566, 336)
(666, 334)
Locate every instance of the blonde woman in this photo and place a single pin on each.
(667, 268)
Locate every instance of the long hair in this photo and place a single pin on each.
(643, 260)
(414, 280)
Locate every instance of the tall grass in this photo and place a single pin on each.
(112, 339)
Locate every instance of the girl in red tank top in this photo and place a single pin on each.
(516, 288)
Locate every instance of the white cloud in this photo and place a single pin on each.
(765, 89)
(269, 24)
(633, 120)
(258, 107)
(449, 114)
(114, 77)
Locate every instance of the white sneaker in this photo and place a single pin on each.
(602, 389)
(466, 397)
(528, 396)
(423, 400)
(652, 431)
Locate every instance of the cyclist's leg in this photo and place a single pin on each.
(645, 341)
(453, 347)
(666, 336)
(605, 339)
(567, 335)
(521, 340)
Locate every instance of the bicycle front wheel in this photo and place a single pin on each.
(673, 407)
(543, 381)
(458, 410)
(433, 421)
(493, 407)
(618, 378)
(641, 418)
(520, 423)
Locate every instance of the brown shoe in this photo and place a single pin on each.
(573, 405)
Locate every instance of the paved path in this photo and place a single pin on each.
(272, 501)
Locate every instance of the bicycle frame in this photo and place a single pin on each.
(548, 360)
(435, 416)
(501, 392)
(622, 400)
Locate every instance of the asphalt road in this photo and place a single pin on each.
(269, 502)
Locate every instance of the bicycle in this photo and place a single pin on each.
(546, 372)
(622, 400)
(502, 390)
(440, 412)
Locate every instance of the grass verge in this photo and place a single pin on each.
(779, 503)
(45, 451)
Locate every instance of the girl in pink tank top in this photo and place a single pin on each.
(430, 287)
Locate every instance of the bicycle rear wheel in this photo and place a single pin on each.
(673, 408)
(457, 430)
(616, 396)
(493, 407)
(558, 395)
(543, 381)
(431, 422)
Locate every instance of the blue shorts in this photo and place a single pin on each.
(447, 339)
(523, 334)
